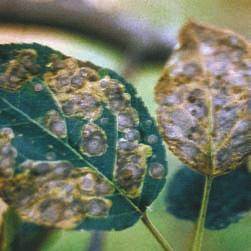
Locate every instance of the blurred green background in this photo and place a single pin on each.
(232, 14)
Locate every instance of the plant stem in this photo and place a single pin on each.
(3, 209)
(97, 241)
(155, 232)
(197, 243)
(1, 239)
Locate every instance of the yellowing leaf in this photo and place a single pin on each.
(204, 99)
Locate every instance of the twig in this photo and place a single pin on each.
(155, 232)
(199, 233)
(97, 241)
(129, 33)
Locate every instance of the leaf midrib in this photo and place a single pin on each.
(211, 155)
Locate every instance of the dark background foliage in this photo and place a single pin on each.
(229, 201)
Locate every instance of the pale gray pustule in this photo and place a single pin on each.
(235, 42)
(148, 123)
(87, 183)
(222, 157)
(57, 64)
(8, 132)
(188, 150)
(40, 168)
(191, 69)
(157, 171)
(225, 119)
(118, 102)
(126, 145)
(38, 87)
(219, 101)
(8, 151)
(63, 81)
(58, 128)
(68, 107)
(88, 101)
(171, 100)
(173, 132)
(132, 171)
(77, 81)
(239, 140)
(51, 211)
(96, 207)
(2, 79)
(55, 123)
(51, 156)
(104, 83)
(52, 184)
(152, 139)
(135, 159)
(182, 120)
(93, 140)
(103, 188)
(63, 169)
(236, 78)
(94, 145)
(27, 165)
(206, 49)
(243, 126)
(89, 74)
(129, 175)
(217, 65)
(85, 104)
(132, 135)
(127, 119)
(6, 169)
(188, 70)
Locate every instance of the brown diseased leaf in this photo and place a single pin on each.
(204, 98)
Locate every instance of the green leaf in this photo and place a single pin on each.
(9, 225)
(30, 235)
(78, 147)
(204, 99)
(183, 197)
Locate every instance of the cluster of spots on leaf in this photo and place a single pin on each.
(93, 140)
(19, 69)
(55, 123)
(132, 155)
(7, 152)
(75, 87)
(131, 166)
(57, 194)
(114, 94)
(127, 118)
(85, 100)
(204, 99)
(44, 186)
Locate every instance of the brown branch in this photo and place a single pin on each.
(126, 32)
(97, 241)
